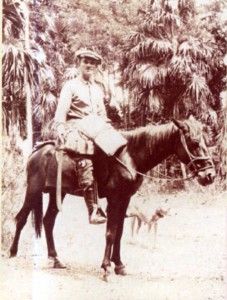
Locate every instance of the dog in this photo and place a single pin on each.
(140, 217)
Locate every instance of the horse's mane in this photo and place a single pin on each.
(148, 136)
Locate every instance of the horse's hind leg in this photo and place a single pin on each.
(21, 219)
(49, 221)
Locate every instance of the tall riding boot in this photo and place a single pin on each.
(90, 197)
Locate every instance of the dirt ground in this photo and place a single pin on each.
(189, 262)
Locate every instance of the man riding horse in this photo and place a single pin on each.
(80, 120)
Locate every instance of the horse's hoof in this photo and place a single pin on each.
(55, 263)
(58, 264)
(120, 270)
(106, 274)
(12, 253)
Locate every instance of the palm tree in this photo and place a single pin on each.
(14, 61)
(223, 144)
(19, 68)
(25, 73)
(170, 72)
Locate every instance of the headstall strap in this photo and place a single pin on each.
(194, 158)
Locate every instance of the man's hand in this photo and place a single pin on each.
(60, 129)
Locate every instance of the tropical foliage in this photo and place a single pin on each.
(172, 62)
(22, 67)
(170, 57)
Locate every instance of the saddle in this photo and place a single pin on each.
(39, 145)
(68, 164)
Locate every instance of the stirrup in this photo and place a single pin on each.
(100, 212)
(97, 220)
(96, 217)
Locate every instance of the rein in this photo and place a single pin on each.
(131, 170)
(192, 161)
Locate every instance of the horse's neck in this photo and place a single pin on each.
(152, 146)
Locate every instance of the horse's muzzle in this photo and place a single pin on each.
(206, 177)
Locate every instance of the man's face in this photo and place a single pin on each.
(87, 66)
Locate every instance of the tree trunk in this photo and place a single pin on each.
(28, 89)
(223, 151)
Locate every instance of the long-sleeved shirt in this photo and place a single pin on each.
(81, 104)
(80, 98)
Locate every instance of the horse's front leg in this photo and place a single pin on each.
(111, 229)
(49, 221)
(116, 255)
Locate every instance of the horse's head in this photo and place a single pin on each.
(193, 151)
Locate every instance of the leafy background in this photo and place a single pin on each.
(161, 59)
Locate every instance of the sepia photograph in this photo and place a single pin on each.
(114, 150)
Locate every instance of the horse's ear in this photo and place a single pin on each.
(181, 125)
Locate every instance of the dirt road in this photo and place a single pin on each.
(189, 262)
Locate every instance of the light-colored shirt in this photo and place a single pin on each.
(80, 98)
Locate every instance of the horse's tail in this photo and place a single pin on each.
(37, 215)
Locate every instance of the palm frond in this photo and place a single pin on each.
(129, 73)
(155, 102)
(135, 38)
(147, 74)
(13, 18)
(180, 66)
(150, 76)
(162, 74)
(20, 65)
(163, 47)
(161, 20)
(203, 68)
(195, 49)
(152, 48)
(45, 108)
(198, 88)
(47, 76)
(154, 27)
(171, 19)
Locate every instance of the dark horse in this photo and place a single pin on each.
(147, 147)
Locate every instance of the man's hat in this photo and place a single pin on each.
(88, 53)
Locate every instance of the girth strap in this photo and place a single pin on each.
(59, 158)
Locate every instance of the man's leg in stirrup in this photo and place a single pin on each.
(87, 182)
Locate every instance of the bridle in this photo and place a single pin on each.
(193, 159)
(192, 162)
